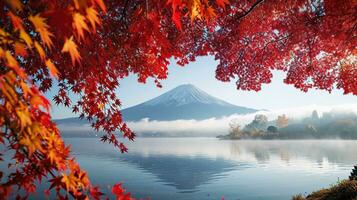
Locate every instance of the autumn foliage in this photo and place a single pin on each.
(30, 45)
(282, 121)
(88, 46)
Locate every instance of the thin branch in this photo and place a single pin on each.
(256, 4)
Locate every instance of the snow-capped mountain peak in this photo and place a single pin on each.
(185, 94)
(185, 102)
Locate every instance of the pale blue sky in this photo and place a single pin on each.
(201, 73)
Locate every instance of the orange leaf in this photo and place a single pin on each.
(222, 3)
(40, 50)
(101, 4)
(79, 24)
(25, 89)
(42, 28)
(13, 64)
(32, 142)
(20, 49)
(80, 4)
(26, 141)
(11, 61)
(195, 9)
(26, 38)
(52, 156)
(9, 92)
(52, 68)
(71, 47)
(210, 13)
(92, 16)
(69, 181)
(36, 101)
(24, 117)
(2, 53)
(16, 21)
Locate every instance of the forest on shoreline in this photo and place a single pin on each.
(330, 125)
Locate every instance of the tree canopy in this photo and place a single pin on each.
(90, 45)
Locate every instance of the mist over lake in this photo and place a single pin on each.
(191, 145)
(208, 168)
(178, 100)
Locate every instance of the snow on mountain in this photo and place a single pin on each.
(183, 102)
(185, 94)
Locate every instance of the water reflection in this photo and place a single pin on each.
(183, 173)
(207, 168)
(334, 151)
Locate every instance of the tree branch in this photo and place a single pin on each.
(256, 4)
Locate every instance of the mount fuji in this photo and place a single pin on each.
(183, 102)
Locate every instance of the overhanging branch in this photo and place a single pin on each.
(256, 4)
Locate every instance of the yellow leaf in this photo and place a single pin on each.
(69, 181)
(92, 16)
(11, 61)
(79, 24)
(52, 156)
(26, 38)
(25, 89)
(52, 138)
(26, 141)
(42, 28)
(32, 142)
(195, 9)
(24, 117)
(101, 106)
(71, 47)
(52, 68)
(13, 64)
(40, 50)
(9, 92)
(38, 128)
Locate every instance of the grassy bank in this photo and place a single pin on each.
(344, 190)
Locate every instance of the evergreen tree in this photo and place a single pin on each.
(354, 173)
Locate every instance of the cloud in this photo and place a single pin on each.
(213, 126)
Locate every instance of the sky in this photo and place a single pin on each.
(201, 73)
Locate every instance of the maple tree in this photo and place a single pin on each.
(282, 121)
(28, 54)
(89, 46)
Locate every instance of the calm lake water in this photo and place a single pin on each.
(208, 168)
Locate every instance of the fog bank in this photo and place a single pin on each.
(212, 126)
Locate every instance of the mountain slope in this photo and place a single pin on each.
(183, 102)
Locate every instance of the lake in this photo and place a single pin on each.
(208, 168)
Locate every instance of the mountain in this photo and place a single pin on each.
(183, 102)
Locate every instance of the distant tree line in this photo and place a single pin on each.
(331, 125)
